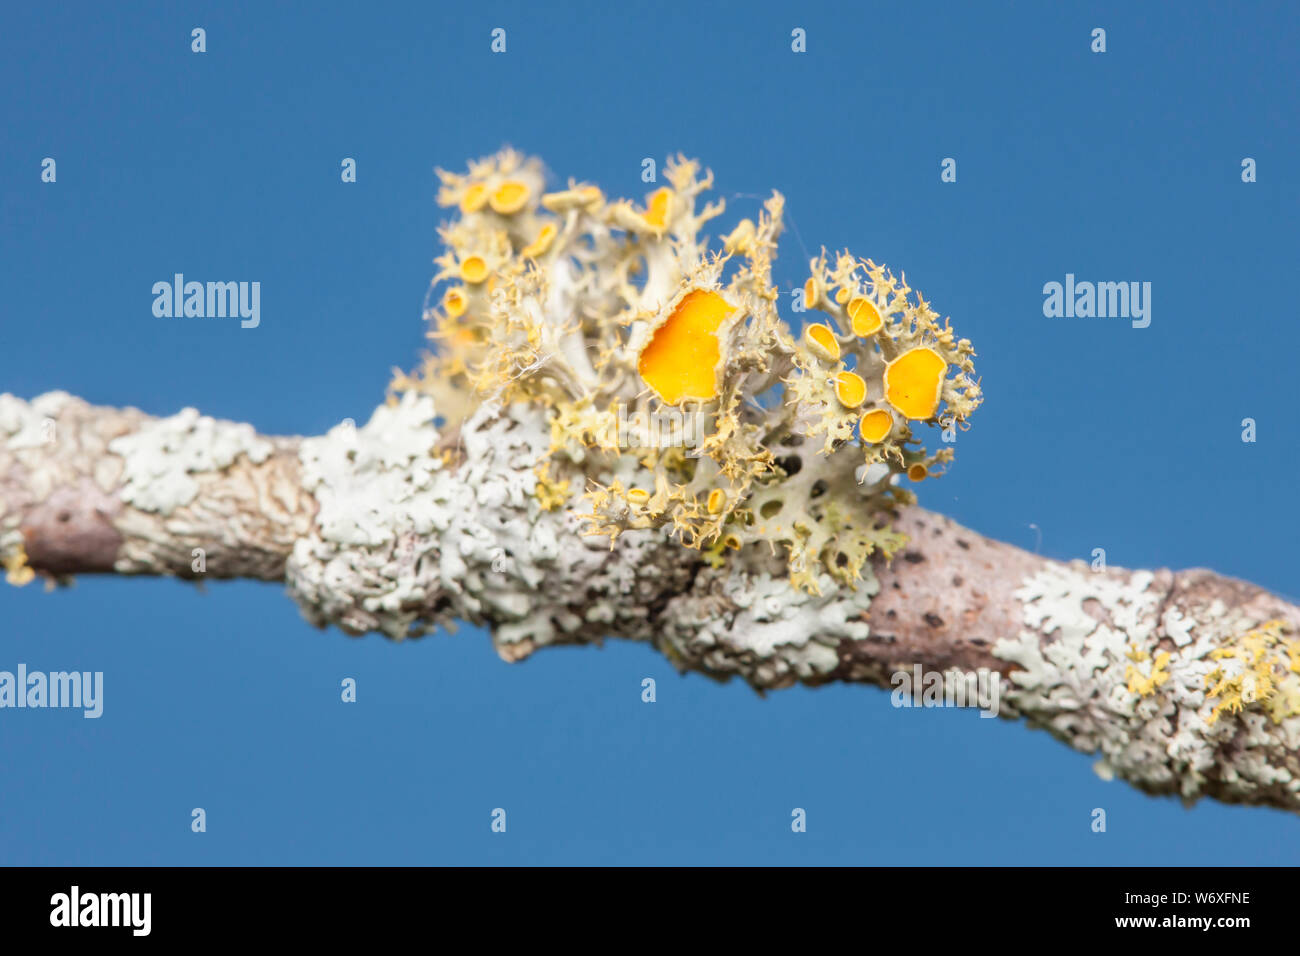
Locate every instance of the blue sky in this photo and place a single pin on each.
(1122, 166)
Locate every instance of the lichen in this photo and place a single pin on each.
(17, 571)
(765, 628)
(1103, 666)
(403, 543)
(160, 457)
(1259, 667)
(1143, 680)
(597, 311)
(26, 424)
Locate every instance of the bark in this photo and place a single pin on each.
(397, 528)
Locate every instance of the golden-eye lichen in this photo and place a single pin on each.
(680, 362)
(677, 396)
(876, 425)
(821, 341)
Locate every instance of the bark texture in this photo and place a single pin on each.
(1183, 683)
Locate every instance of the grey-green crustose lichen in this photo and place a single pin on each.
(1105, 665)
(413, 531)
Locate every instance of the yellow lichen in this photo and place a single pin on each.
(821, 342)
(475, 197)
(680, 361)
(662, 358)
(850, 389)
(1251, 670)
(812, 293)
(17, 571)
(510, 197)
(474, 270)
(454, 303)
(656, 213)
(550, 494)
(913, 382)
(1145, 684)
(539, 245)
(876, 425)
(865, 316)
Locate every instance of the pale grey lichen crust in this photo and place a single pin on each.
(403, 541)
(1086, 654)
(164, 453)
(413, 531)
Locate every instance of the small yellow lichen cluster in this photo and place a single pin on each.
(881, 364)
(676, 394)
(1259, 667)
(550, 494)
(1144, 683)
(17, 571)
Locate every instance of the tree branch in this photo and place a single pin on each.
(88, 489)
(1183, 683)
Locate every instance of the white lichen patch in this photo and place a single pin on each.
(412, 531)
(28, 424)
(160, 457)
(371, 483)
(760, 626)
(1108, 670)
